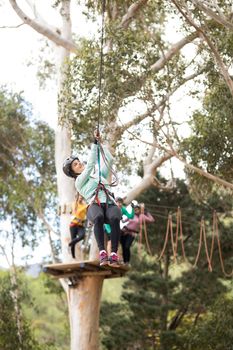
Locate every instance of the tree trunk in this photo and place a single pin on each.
(84, 297)
(84, 306)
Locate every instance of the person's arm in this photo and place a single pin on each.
(147, 217)
(83, 177)
(126, 213)
(125, 220)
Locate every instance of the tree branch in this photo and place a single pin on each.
(132, 10)
(174, 153)
(44, 29)
(221, 19)
(173, 51)
(49, 229)
(5, 255)
(12, 27)
(213, 49)
(155, 107)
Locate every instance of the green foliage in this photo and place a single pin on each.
(9, 338)
(43, 309)
(128, 78)
(126, 72)
(214, 148)
(49, 315)
(115, 330)
(27, 168)
(214, 331)
(112, 289)
(162, 301)
(211, 145)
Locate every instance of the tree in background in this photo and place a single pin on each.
(211, 142)
(43, 322)
(27, 190)
(10, 338)
(49, 317)
(162, 301)
(213, 332)
(27, 201)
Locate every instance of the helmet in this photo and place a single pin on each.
(134, 204)
(67, 167)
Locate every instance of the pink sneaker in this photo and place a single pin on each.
(103, 257)
(114, 260)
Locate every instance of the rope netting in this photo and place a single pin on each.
(174, 234)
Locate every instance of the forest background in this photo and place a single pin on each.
(164, 305)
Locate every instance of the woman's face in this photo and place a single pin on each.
(77, 167)
(137, 211)
(119, 204)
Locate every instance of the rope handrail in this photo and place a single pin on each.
(202, 239)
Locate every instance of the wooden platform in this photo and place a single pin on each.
(84, 268)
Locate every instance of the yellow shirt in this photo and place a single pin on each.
(79, 212)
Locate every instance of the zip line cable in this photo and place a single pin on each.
(100, 150)
(101, 64)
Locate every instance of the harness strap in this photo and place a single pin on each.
(109, 195)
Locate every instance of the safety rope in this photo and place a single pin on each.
(101, 63)
(178, 236)
(166, 237)
(216, 234)
(172, 239)
(114, 181)
(179, 219)
(100, 84)
(140, 237)
(202, 239)
(143, 228)
(146, 237)
(100, 150)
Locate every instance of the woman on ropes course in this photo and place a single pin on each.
(102, 207)
(131, 229)
(125, 212)
(78, 223)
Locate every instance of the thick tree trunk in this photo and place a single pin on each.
(84, 306)
(84, 297)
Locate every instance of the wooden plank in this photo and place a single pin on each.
(73, 265)
(84, 268)
(83, 274)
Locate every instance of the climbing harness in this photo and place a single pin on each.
(109, 195)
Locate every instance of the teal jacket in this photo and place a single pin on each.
(125, 212)
(86, 183)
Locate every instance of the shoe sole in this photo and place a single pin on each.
(104, 263)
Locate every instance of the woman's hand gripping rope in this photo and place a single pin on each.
(97, 135)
